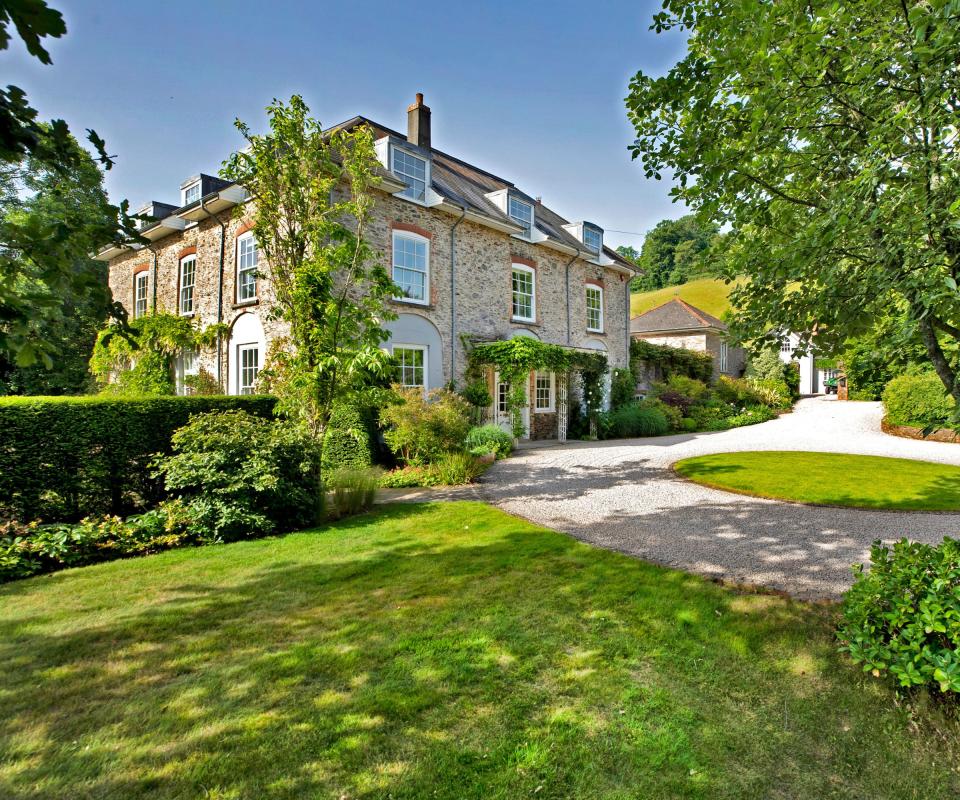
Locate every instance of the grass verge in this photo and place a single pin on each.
(438, 651)
(833, 479)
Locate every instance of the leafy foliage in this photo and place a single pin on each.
(489, 439)
(64, 458)
(634, 419)
(670, 360)
(421, 429)
(53, 210)
(623, 388)
(313, 198)
(348, 444)
(138, 358)
(918, 400)
(239, 475)
(455, 469)
(902, 618)
(34, 549)
(673, 251)
(836, 171)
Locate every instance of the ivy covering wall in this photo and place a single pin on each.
(669, 361)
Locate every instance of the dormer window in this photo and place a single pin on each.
(191, 194)
(413, 170)
(592, 239)
(521, 213)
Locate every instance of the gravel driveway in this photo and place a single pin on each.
(622, 495)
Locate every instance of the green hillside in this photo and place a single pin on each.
(709, 294)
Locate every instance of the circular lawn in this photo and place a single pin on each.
(834, 479)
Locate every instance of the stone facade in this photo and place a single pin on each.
(482, 289)
(702, 342)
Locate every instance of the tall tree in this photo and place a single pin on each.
(827, 141)
(65, 208)
(313, 193)
(671, 251)
(38, 252)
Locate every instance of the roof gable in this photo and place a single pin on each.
(675, 315)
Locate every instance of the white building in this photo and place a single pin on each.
(811, 379)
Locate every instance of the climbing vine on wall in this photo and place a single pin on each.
(516, 358)
(138, 358)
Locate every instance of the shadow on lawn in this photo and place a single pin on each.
(644, 510)
(460, 666)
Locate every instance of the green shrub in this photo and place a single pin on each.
(902, 618)
(773, 393)
(670, 360)
(490, 439)
(64, 458)
(736, 391)
(352, 491)
(918, 400)
(408, 477)
(712, 415)
(454, 469)
(623, 388)
(751, 416)
(421, 429)
(348, 442)
(633, 420)
(687, 424)
(34, 549)
(241, 476)
(478, 396)
(766, 369)
(673, 414)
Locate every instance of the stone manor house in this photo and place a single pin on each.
(474, 257)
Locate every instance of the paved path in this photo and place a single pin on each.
(622, 495)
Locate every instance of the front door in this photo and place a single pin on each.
(501, 407)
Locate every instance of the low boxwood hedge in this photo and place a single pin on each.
(64, 458)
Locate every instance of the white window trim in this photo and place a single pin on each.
(552, 406)
(426, 279)
(394, 346)
(528, 235)
(236, 277)
(145, 277)
(183, 373)
(533, 296)
(193, 295)
(240, 349)
(426, 174)
(724, 355)
(183, 195)
(590, 287)
(597, 231)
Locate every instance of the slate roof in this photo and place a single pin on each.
(466, 185)
(675, 315)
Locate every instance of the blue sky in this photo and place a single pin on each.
(532, 91)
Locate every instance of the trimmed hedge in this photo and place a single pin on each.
(918, 400)
(64, 458)
(349, 441)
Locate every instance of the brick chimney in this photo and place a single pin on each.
(418, 123)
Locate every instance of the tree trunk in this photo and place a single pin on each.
(941, 364)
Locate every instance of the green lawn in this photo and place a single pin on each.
(833, 479)
(438, 651)
(709, 294)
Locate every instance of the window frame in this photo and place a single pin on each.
(246, 236)
(417, 239)
(528, 232)
(425, 351)
(551, 406)
(191, 257)
(599, 233)
(186, 192)
(587, 290)
(724, 355)
(183, 372)
(408, 178)
(144, 276)
(514, 268)
(241, 349)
